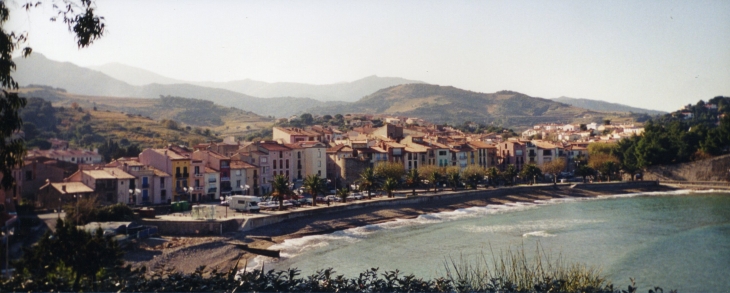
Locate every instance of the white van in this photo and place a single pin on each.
(244, 203)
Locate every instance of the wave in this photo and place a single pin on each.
(538, 234)
(293, 247)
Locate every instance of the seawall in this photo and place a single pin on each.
(254, 223)
(216, 227)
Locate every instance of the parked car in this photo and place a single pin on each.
(357, 196)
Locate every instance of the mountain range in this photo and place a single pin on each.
(447, 104)
(605, 106)
(343, 91)
(374, 95)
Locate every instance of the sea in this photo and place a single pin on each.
(674, 240)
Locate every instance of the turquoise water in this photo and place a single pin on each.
(677, 240)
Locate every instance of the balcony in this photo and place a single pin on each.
(198, 188)
(197, 175)
(212, 180)
(178, 175)
(145, 185)
(186, 175)
(225, 178)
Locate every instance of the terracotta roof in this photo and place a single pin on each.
(171, 154)
(118, 174)
(71, 187)
(99, 174)
(481, 145)
(415, 150)
(339, 148)
(158, 172)
(242, 165)
(274, 147)
(211, 170)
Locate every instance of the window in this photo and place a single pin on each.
(299, 155)
(177, 170)
(287, 164)
(274, 164)
(238, 183)
(197, 170)
(281, 164)
(197, 183)
(319, 172)
(319, 163)
(319, 153)
(162, 182)
(238, 172)
(263, 160)
(281, 154)
(518, 152)
(442, 153)
(185, 170)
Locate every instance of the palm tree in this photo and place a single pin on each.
(454, 179)
(315, 185)
(531, 171)
(493, 174)
(280, 189)
(435, 178)
(342, 193)
(509, 174)
(389, 185)
(412, 179)
(367, 180)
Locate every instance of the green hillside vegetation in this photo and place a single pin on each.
(87, 128)
(602, 106)
(187, 112)
(672, 139)
(446, 104)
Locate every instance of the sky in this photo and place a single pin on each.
(650, 54)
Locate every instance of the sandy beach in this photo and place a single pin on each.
(186, 254)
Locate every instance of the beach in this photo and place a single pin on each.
(187, 254)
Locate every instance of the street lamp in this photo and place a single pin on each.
(188, 192)
(225, 206)
(135, 193)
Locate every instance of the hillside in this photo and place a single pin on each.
(187, 112)
(38, 70)
(602, 106)
(89, 128)
(446, 104)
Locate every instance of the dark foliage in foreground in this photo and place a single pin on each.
(127, 280)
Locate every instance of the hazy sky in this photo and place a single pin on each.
(652, 54)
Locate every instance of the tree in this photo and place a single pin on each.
(306, 118)
(280, 189)
(71, 253)
(492, 176)
(453, 176)
(392, 170)
(554, 168)
(584, 171)
(432, 174)
(315, 185)
(531, 172)
(413, 178)
(509, 174)
(598, 162)
(472, 175)
(86, 26)
(389, 185)
(367, 181)
(343, 193)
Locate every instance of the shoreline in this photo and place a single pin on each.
(186, 254)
